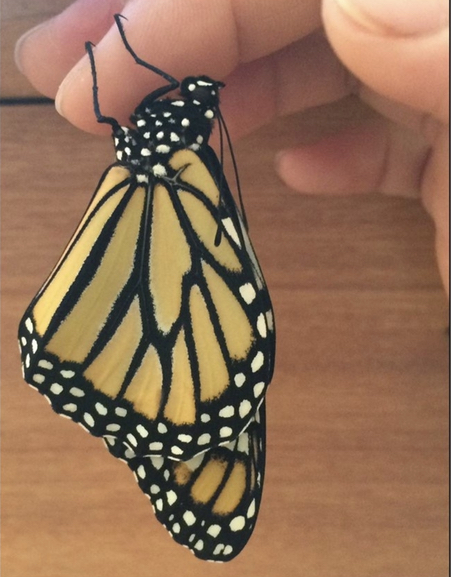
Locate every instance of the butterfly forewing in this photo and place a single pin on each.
(155, 326)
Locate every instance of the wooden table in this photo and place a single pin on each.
(356, 481)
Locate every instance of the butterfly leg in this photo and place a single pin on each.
(159, 92)
(95, 91)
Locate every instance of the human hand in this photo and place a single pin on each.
(276, 61)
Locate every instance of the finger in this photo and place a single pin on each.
(377, 157)
(181, 37)
(46, 53)
(302, 75)
(399, 49)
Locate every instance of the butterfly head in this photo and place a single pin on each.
(201, 90)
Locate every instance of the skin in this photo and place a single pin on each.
(275, 61)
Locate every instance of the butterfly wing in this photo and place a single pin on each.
(210, 502)
(149, 329)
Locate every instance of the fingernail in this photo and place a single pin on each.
(18, 49)
(73, 77)
(59, 97)
(398, 16)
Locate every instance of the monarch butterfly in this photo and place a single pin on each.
(155, 328)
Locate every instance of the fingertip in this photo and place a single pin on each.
(349, 162)
(47, 52)
(395, 18)
(398, 49)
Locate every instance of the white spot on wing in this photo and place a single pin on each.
(189, 517)
(142, 431)
(101, 409)
(171, 497)
(225, 432)
(258, 389)
(56, 388)
(88, 419)
(162, 428)
(67, 374)
(230, 228)
(157, 462)
(239, 379)
(113, 427)
(257, 362)
(163, 148)
(248, 293)
(132, 440)
(237, 523)
(251, 509)
(214, 530)
(270, 320)
(204, 439)
(218, 549)
(199, 545)
(70, 407)
(159, 170)
(245, 408)
(261, 325)
(227, 411)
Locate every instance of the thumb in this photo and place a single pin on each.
(397, 48)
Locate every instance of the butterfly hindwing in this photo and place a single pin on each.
(156, 325)
(209, 503)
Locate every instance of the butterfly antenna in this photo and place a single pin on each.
(222, 124)
(221, 180)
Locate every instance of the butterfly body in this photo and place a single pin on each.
(165, 125)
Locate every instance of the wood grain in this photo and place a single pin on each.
(356, 481)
